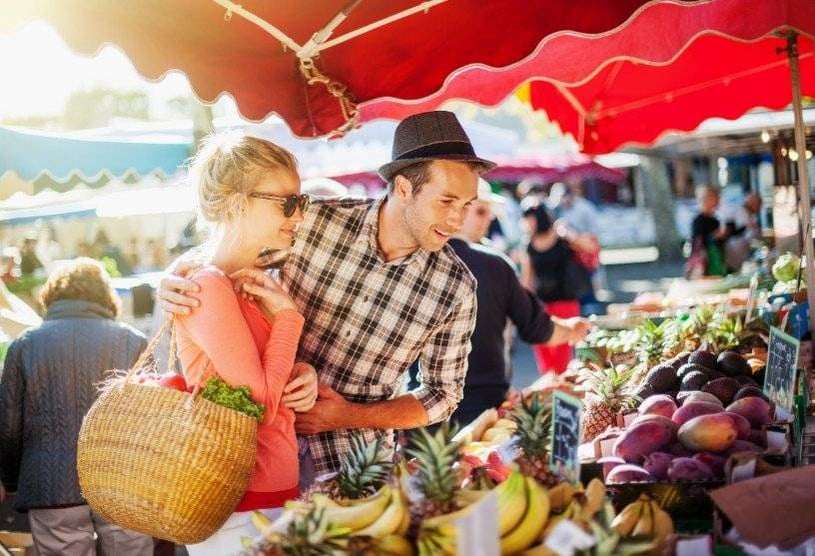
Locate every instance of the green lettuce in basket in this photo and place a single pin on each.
(233, 397)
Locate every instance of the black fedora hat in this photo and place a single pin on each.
(430, 136)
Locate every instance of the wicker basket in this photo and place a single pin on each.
(163, 462)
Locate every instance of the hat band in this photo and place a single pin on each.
(438, 149)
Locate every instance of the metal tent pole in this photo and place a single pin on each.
(805, 202)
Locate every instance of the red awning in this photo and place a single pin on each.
(670, 67)
(251, 50)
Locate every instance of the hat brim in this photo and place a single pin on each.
(387, 171)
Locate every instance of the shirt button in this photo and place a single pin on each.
(366, 299)
(347, 333)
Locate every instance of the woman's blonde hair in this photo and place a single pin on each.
(83, 279)
(226, 169)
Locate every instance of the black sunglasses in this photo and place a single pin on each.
(289, 202)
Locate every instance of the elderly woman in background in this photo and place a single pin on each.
(48, 384)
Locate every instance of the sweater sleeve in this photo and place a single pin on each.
(11, 416)
(526, 311)
(219, 329)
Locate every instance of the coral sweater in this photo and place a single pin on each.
(229, 336)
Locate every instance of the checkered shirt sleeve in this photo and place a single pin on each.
(367, 320)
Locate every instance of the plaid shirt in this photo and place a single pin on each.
(367, 320)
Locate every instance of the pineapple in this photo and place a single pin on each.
(534, 434)
(364, 470)
(437, 476)
(608, 395)
(306, 535)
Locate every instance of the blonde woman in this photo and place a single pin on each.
(249, 194)
(47, 385)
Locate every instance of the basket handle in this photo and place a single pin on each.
(150, 350)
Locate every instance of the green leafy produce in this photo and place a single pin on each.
(233, 397)
(786, 267)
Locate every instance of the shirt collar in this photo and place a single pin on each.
(368, 232)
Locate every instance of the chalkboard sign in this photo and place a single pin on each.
(563, 458)
(782, 361)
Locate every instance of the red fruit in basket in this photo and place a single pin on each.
(173, 381)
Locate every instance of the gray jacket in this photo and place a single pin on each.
(48, 384)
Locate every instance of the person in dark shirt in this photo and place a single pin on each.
(707, 235)
(500, 297)
(552, 271)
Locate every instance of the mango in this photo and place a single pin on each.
(708, 433)
(698, 396)
(744, 446)
(690, 410)
(628, 473)
(689, 469)
(743, 428)
(714, 461)
(657, 464)
(665, 421)
(642, 439)
(754, 409)
(658, 405)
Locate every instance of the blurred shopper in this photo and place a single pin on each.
(29, 261)
(550, 268)
(707, 237)
(49, 382)
(500, 297)
(742, 229)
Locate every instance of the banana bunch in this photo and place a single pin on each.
(643, 518)
(385, 513)
(531, 524)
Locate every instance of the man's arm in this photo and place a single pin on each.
(331, 412)
(443, 365)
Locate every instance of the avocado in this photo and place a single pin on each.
(662, 378)
(723, 388)
(694, 380)
(733, 364)
(748, 391)
(687, 368)
(704, 358)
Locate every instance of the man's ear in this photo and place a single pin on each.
(402, 188)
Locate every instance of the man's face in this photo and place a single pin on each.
(477, 222)
(437, 211)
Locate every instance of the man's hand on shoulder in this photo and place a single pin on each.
(174, 293)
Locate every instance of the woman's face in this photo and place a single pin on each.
(709, 203)
(264, 224)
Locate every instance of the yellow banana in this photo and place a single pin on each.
(645, 524)
(531, 525)
(389, 520)
(512, 502)
(357, 516)
(560, 495)
(404, 526)
(595, 498)
(663, 524)
(260, 521)
(467, 496)
(557, 518)
(394, 545)
(627, 519)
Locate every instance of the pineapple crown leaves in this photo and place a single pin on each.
(436, 454)
(365, 468)
(312, 535)
(612, 385)
(534, 432)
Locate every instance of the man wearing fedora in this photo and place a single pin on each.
(380, 288)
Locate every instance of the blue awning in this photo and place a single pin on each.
(31, 154)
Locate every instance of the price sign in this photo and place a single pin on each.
(563, 458)
(782, 362)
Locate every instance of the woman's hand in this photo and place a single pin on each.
(301, 391)
(265, 290)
